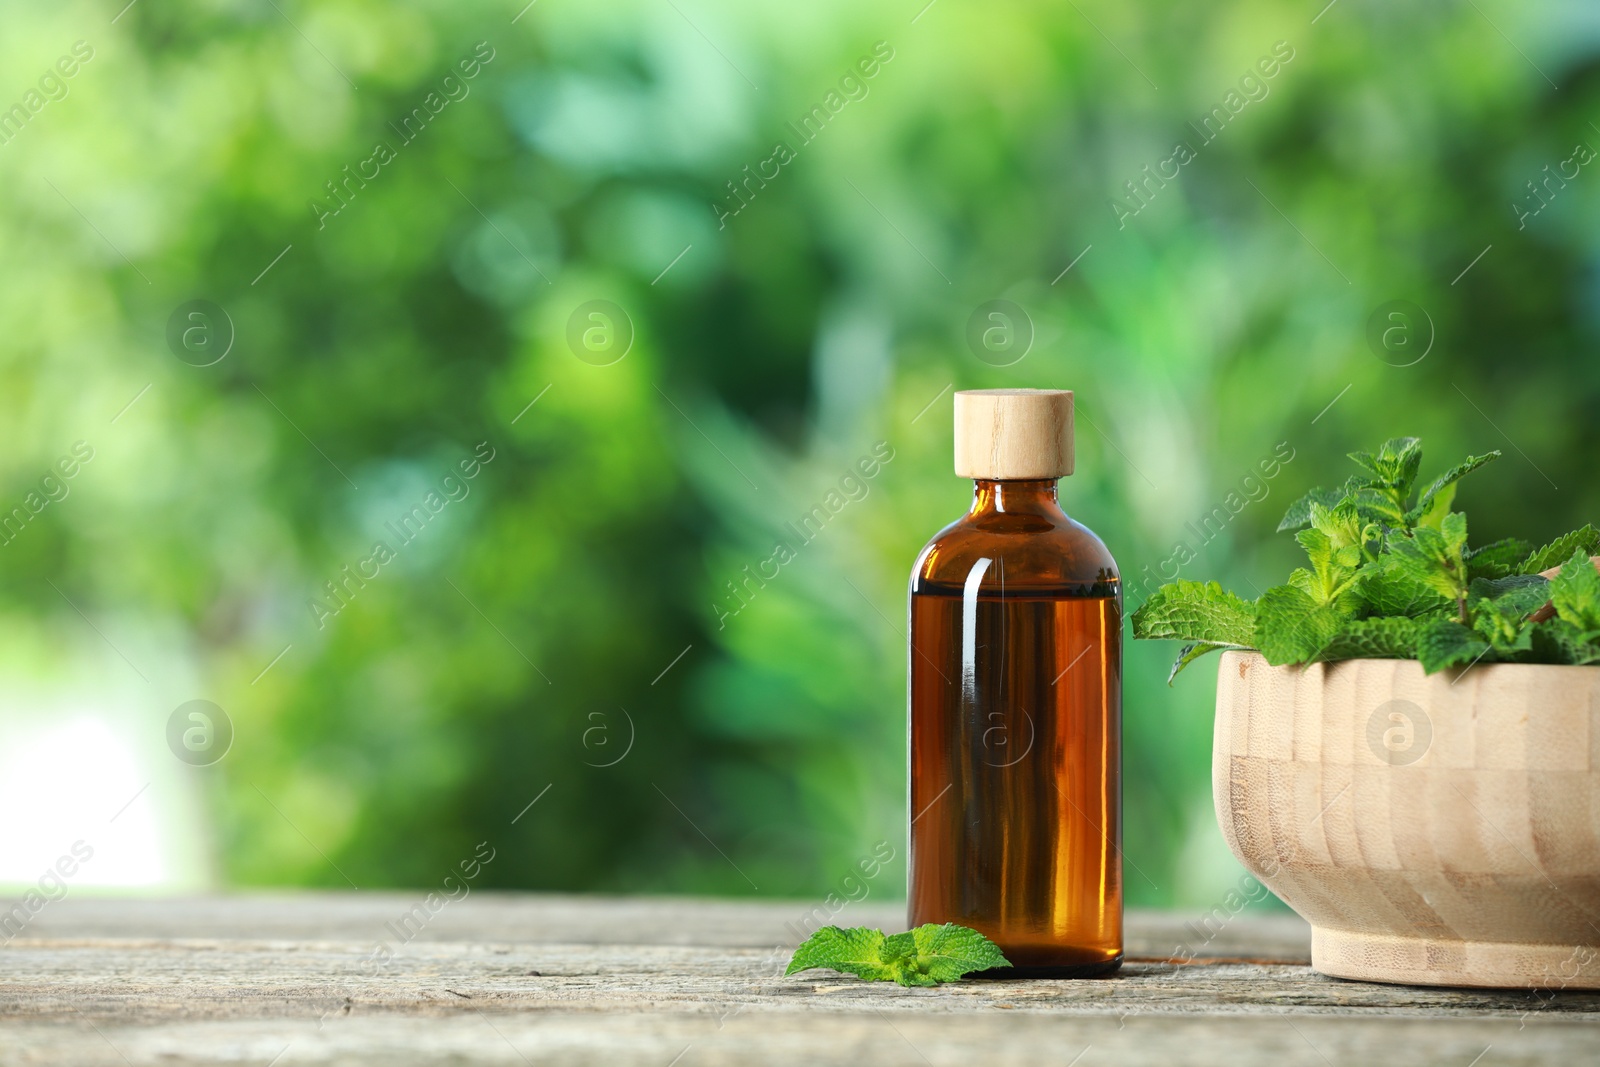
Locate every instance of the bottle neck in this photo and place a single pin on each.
(1031, 497)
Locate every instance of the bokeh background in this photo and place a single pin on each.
(564, 635)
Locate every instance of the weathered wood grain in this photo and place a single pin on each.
(536, 979)
(546, 917)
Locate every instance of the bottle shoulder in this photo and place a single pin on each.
(1017, 554)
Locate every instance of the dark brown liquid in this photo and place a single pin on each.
(1016, 706)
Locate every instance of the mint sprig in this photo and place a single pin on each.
(1391, 575)
(1585, 540)
(928, 955)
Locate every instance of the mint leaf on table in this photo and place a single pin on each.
(1557, 552)
(929, 955)
(1196, 611)
(857, 951)
(946, 951)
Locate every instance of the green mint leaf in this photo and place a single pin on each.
(946, 951)
(1445, 643)
(1498, 559)
(1196, 611)
(906, 974)
(1333, 568)
(1377, 504)
(1391, 587)
(1558, 641)
(1557, 552)
(1393, 470)
(1291, 627)
(1401, 458)
(1499, 610)
(1434, 557)
(1369, 463)
(899, 947)
(1340, 524)
(1373, 639)
(1516, 595)
(1389, 574)
(1434, 511)
(1372, 501)
(1453, 528)
(1434, 501)
(1575, 592)
(1299, 513)
(1189, 653)
(929, 955)
(1509, 633)
(1418, 559)
(857, 951)
(1396, 463)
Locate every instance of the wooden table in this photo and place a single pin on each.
(524, 978)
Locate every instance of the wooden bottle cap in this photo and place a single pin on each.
(1014, 434)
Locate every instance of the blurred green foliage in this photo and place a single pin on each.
(589, 159)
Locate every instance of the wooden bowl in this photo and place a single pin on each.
(1433, 829)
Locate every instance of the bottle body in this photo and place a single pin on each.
(1015, 733)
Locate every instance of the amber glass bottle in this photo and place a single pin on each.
(1016, 703)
